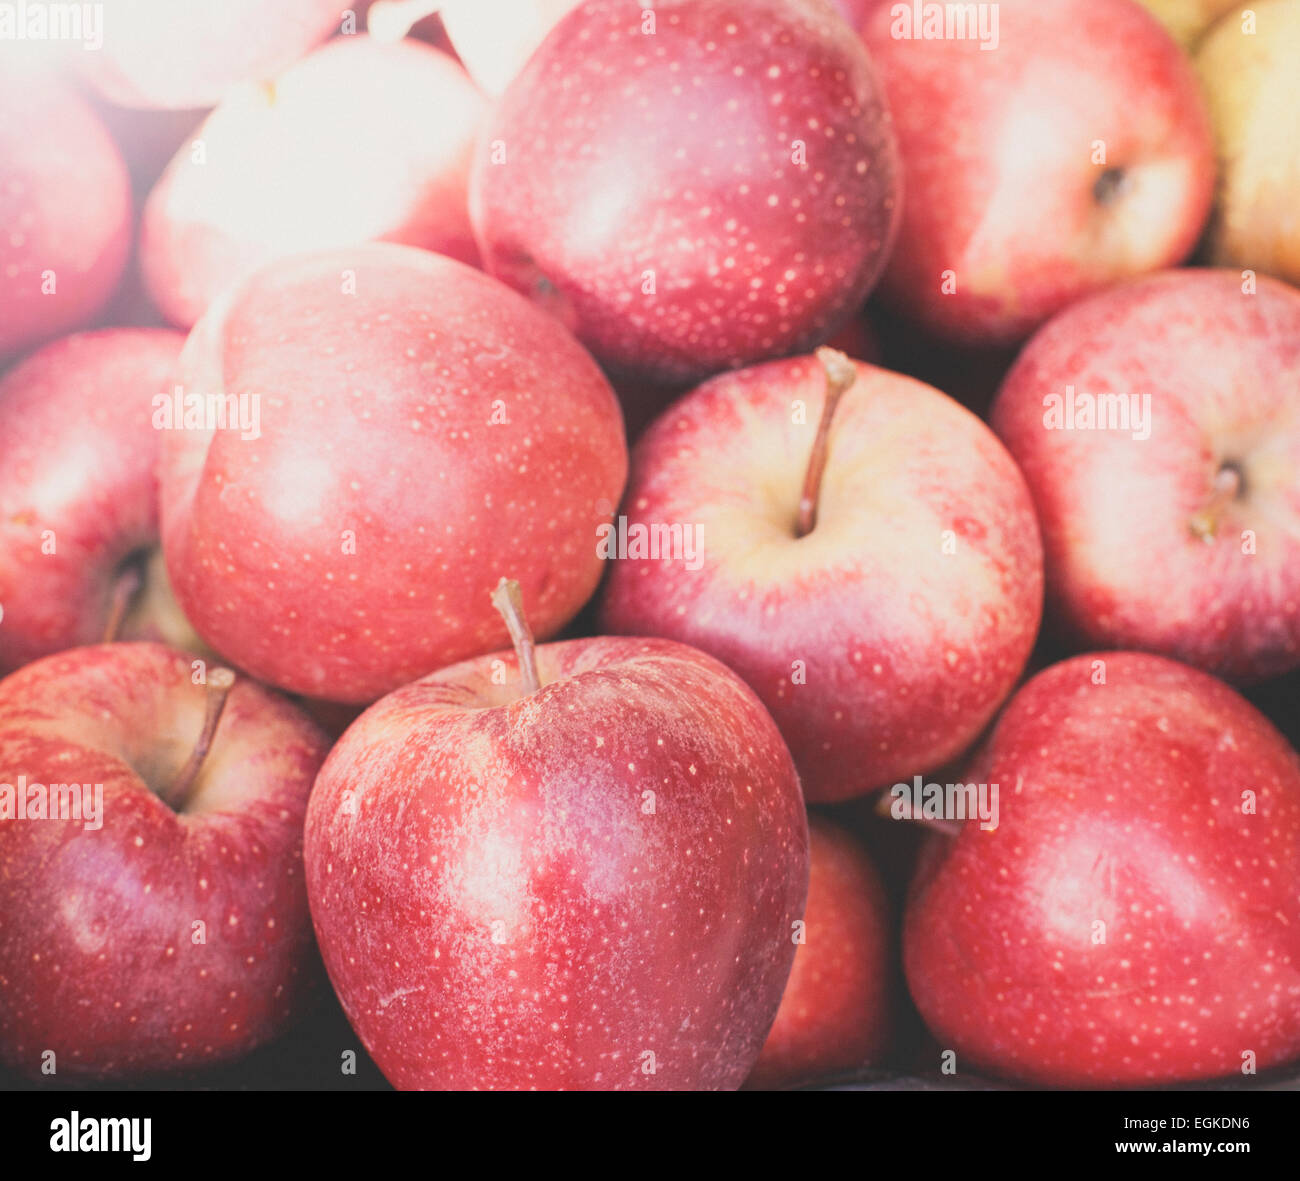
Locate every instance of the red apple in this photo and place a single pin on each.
(181, 54)
(835, 1014)
(274, 170)
(578, 870)
(718, 188)
(878, 586)
(1158, 429)
(1047, 154)
(65, 209)
(1135, 917)
(420, 425)
(162, 923)
(79, 550)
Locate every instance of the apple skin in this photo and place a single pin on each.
(1124, 567)
(186, 54)
(377, 421)
(97, 955)
(78, 455)
(279, 165)
(675, 157)
(1188, 20)
(1253, 84)
(908, 651)
(54, 153)
(497, 910)
(1122, 804)
(997, 151)
(835, 1013)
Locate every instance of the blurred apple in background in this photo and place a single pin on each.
(1135, 916)
(65, 205)
(183, 54)
(359, 141)
(835, 1014)
(1173, 523)
(1253, 83)
(581, 869)
(1188, 20)
(420, 425)
(883, 607)
(1067, 149)
(79, 550)
(165, 927)
(683, 210)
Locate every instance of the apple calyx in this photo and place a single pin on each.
(1227, 487)
(389, 21)
(841, 373)
(1110, 187)
(509, 600)
(127, 586)
(220, 682)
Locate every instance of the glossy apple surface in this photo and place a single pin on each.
(79, 495)
(163, 939)
(1180, 535)
(184, 54)
(1135, 917)
(883, 640)
(359, 141)
(421, 425)
(835, 1012)
(592, 886)
(1073, 154)
(717, 191)
(1253, 85)
(65, 205)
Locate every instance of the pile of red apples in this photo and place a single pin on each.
(542, 516)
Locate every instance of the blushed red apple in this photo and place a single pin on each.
(576, 870)
(1158, 429)
(1134, 919)
(1065, 149)
(720, 187)
(164, 927)
(65, 205)
(835, 1012)
(879, 585)
(80, 557)
(280, 167)
(420, 425)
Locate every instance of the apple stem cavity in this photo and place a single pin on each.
(1110, 186)
(220, 682)
(129, 581)
(1226, 488)
(841, 373)
(509, 600)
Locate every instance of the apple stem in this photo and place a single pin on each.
(509, 600)
(1227, 486)
(841, 373)
(948, 828)
(220, 682)
(391, 20)
(125, 590)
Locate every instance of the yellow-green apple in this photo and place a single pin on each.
(1158, 429)
(856, 545)
(1252, 79)
(183, 54)
(80, 557)
(273, 170)
(420, 424)
(155, 913)
(576, 867)
(1047, 153)
(835, 1012)
(720, 187)
(1187, 20)
(65, 205)
(1135, 916)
